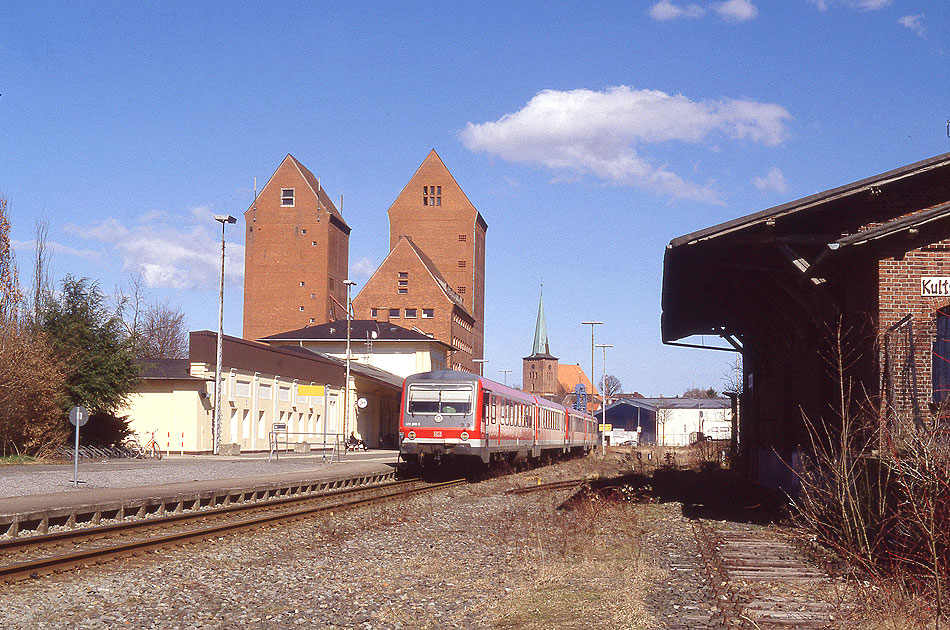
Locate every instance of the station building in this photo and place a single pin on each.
(383, 345)
(260, 388)
(841, 295)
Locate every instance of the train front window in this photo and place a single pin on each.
(454, 400)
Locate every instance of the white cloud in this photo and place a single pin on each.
(730, 10)
(773, 180)
(362, 268)
(915, 23)
(602, 133)
(863, 5)
(176, 253)
(58, 248)
(736, 10)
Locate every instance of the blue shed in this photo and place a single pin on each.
(630, 413)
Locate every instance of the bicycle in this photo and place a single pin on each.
(151, 448)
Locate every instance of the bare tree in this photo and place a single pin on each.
(613, 386)
(698, 392)
(42, 282)
(155, 330)
(10, 295)
(164, 334)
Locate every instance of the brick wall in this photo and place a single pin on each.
(295, 257)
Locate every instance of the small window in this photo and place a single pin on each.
(303, 230)
(313, 243)
(411, 312)
(462, 264)
(428, 313)
(394, 313)
(287, 197)
(432, 195)
(313, 321)
(301, 309)
(303, 283)
(404, 283)
(403, 274)
(374, 312)
(463, 238)
(313, 295)
(403, 291)
(461, 290)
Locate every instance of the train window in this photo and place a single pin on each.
(454, 400)
(494, 405)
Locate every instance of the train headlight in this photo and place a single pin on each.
(411, 435)
(464, 436)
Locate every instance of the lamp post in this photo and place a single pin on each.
(592, 324)
(346, 384)
(505, 372)
(603, 415)
(223, 219)
(481, 365)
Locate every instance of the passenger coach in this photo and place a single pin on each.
(460, 416)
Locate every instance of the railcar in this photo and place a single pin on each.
(455, 416)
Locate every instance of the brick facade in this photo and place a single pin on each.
(296, 253)
(540, 376)
(437, 238)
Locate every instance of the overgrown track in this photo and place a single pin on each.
(33, 556)
(762, 582)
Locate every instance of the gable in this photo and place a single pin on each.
(308, 193)
(450, 202)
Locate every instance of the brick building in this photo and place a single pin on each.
(540, 368)
(864, 267)
(296, 255)
(434, 276)
(543, 375)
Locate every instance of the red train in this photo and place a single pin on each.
(450, 415)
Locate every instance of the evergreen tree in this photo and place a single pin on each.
(92, 347)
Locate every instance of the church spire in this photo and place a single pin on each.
(540, 330)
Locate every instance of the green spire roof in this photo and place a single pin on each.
(540, 331)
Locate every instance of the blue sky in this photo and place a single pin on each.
(588, 135)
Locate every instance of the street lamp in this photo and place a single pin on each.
(481, 365)
(223, 219)
(506, 376)
(592, 324)
(603, 415)
(346, 385)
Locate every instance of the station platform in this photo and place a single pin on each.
(37, 497)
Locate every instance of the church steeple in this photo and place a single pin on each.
(540, 330)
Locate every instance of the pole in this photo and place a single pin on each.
(217, 371)
(603, 414)
(505, 372)
(223, 219)
(346, 386)
(76, 459)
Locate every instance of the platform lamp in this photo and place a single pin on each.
(505, 372)
(223, 219)
(346, 385)
(603, 415)
(592, 324)
(481, 365)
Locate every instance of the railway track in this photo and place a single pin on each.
(33, 556)
(761, 582)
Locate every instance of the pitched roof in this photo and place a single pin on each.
(812, 201)
(359, 329)
(431, 158)
(166, 369)
(687, 403)
(406, 242)
(318, 191)
(570, 375)
(541, 348)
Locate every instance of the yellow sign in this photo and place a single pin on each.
(606, 427)
(310, 390)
